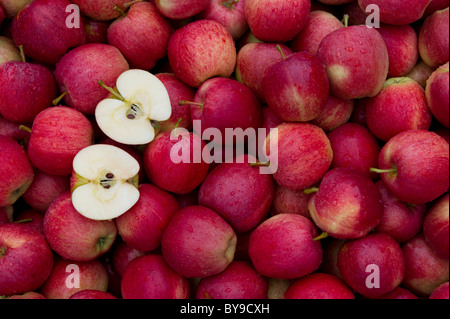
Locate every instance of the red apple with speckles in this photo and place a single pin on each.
(398, 293)
(283, 247)
(6, 214)
(400, 106)
(336, 113)
(101, 10)
(289, 201)
(434, 6)
(181, 9)
(437, 94)
(238, 281)
(96, 31)
(31, 218)
(92, 294)
(434, 39)
(347, 204)
(398, 12)
(435, 227)
(421, 73)
(122, 255)
(441, 292)
(319, 286)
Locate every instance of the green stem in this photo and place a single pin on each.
(56, 101)
(259, 164)
(383, 171)
(230, 3)
(22, 53)
(28, 220)
(25, 128)
(345, 20)
(321, 236)
(311, 190)
(281, 52)
(182, 103)
(120, 11)
(111, 90)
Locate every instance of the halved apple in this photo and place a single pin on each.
(104, 182)
(141, 102)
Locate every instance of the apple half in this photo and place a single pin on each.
(131, 115)
(104, 182)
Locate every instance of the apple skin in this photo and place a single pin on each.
(435, 226)
(402, 44)
(12, 7)
(74, 236)
(122, 255)
(143, 225)
(276, 20)
(434, 6)
(181, 9)
(28, 296)
(101, 10)
(79, 71)
(354, 146)
(319, 25)
(150, 277)
(441, 292)
(304, 154)
(238, 192)
(357, 61)
(356, 15)
(437, 94)
(282, 247)
(198, 242)
(25, 90)
(96, 31)
(421, 73)
(181, 178)
(229, 13)
(398, 12)
(400, 106)
(347, 204)
(13, 130)
(335, 113)
(319, 286)
(16, 172)
(398, 293)
(8, 50)
(289, 201)
(238, 281)
(425, 271)
(414, 154)
(93, 276)
(26, 259)
(375, 249)
(142, 35)
(434, 39)
(44, 188)
(92, 294)
(30, 218)
(201, 50)
(226, 104)
(178, 91)
(57, 135)
(253, 59)
(6, 214)
(297, 88)
(399, 220)
(41, 28)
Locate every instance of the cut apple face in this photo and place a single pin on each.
(104, 182)
(141, 102)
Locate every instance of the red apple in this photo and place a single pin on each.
(356, 15)
(336, 113)
(28, 296)
(8, 50)
(69, 277)
(238, 281)
(26, 259)
(16, 173)
(92, 294)
(437, 91)
(319, 286)
(142, 35)
(441, 292)
(434, 39)
(347, 204)
(397, 12)
(13, 130)
(435, 227)
(74, 236)
(399, 220)
(400, 106)
(198, 242)
(254, 59)
(301, 152)
(354, 146)
(238, 192)
(6, 214)
(357, 61)
(181, 9)
(150, 277)
(425, 271)
(201, 50)
(277, 20)
(296, 88)
(434, 6)
(122, 255)
(79, 71)
(373, 265)
(398, 293)
(405, 163)
(42, 30)
(319, 25)
(143, 225)
(31, 218)
(96, 31)
(289, 201)
(57, 135)
(421, 73)
(283, 247)
(101, 10)
(12, 7)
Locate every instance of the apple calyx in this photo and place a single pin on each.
(133, 112)
(104, 182)
(229, 4)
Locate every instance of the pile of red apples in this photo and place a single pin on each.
(358, 207)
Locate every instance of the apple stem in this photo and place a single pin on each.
(22, 53)
(181, 103)
(311, 190)
(230, 3)
(120, 11)
(383, 171)
(258, 164)
(281, 52)
(58, 99)
(25, 128)
(321, 236)
(111, 90)
(129, 4)
(345, 20)
(29, 220)
(2, 251)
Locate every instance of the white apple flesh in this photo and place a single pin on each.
(104, 182)
(141, 101)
